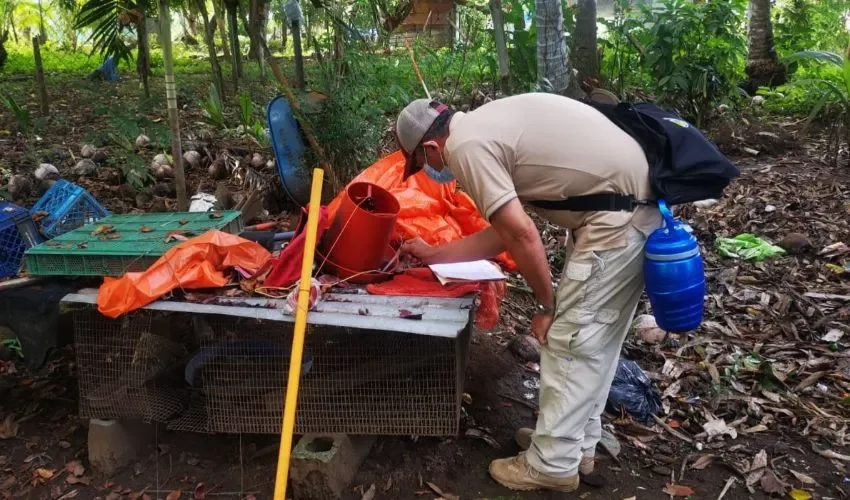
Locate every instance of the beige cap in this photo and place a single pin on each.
(413, 123)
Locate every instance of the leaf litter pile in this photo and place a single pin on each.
(771, 357)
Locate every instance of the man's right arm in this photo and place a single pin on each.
(484, 244)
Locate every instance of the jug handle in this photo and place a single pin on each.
(669, 221)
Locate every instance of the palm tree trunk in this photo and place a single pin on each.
(232, 7)
(256, 27)
(191, 21)
(42, 34)
(501, 46)
(220, 23)
(553, 74)
(586, 56)
(763, 65)
(143, 58)
(3, 53)
(39, 76)
(209, 38)
(171, 97)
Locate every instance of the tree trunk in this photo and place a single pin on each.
(233, 30)
(209, 38)
(338, 49)
(220, 22)
(171, 97)
(501, 47)
(143, 65)
(299, 57)
(763, 66)
(586, 55)
(42, 33)
(256, 27)
(553, 74)
(39, 75)
(3, 53)
(191, 21)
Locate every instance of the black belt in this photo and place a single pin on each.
(601, 202)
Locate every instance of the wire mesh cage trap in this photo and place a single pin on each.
(204, 371)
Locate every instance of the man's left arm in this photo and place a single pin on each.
(521, 239)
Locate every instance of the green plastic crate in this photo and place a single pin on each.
(81, 253)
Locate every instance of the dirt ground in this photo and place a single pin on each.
(53, 437)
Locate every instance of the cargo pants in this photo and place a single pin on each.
(596, 301)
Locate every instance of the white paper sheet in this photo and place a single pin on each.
(477, 270)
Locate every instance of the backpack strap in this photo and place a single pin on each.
(601, 202)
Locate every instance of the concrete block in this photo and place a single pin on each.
(115, 444)
(324, 465)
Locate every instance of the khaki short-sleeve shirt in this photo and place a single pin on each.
(540, 146)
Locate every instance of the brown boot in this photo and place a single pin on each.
(523, 440)
(515, 473)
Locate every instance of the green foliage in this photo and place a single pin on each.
(55, 60)
(21, 114)
(828, 94)
(351, 122)
(102, 17)
(246, 111)
(136, 173)
(810, 25)
(521, 43)
(13, 346)
(691, 54)
(620, 55)
(258, 132)
(214, 109)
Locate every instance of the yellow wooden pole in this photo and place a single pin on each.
(291, 399)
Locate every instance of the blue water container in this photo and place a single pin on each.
(674, 275)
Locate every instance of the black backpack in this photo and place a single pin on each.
(684, 166)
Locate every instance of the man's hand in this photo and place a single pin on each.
(540, 324)
(418, 249)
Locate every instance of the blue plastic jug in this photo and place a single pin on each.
(674, 275)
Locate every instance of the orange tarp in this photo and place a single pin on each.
(196, 263)
(437, 213)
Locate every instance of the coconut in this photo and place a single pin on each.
(163, 172)
(88, 150)
(164, 189)
(84, 168)
(192, 158)
(257, 161)
(46, 171)
(142, 141)
(20, 186)
(99, 156)
(218, 170)
(160, 159)
(795, 243)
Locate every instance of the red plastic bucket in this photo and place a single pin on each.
(361, 277)
(361, 231)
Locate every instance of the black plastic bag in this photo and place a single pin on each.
(632, 391)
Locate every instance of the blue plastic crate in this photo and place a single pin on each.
(17, 234)
(68, 207)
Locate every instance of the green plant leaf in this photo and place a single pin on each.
(817, 55)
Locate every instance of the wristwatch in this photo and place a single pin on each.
(541, 309)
